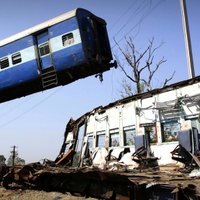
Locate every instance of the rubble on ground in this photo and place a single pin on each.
(104, 184)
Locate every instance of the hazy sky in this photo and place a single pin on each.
(36, 123)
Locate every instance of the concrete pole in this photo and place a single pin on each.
(188, 47)
(13, 156)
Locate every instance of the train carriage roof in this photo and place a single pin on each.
(39, 27)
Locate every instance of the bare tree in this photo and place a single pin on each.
(140, 63)
(2, 160)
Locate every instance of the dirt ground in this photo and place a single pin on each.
(36, 195)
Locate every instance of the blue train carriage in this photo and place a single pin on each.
(57, 52)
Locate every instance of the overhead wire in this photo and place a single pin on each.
(16, 107)
(138, 10)
(37, 104)
(31, 108)
(139, 23)
(144, 16)
(113, 25)
(135, 13)
(123, 14)
(11, 109)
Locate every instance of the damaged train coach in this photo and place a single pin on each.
(144, 130)
(57, 52)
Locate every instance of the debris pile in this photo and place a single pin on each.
(104, 184)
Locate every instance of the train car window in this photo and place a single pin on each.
(4, 62)
(67, 39)
(129, 134)
(16, 58)
(170, 130)
(114, 138)
(100, 139)
(44, 49)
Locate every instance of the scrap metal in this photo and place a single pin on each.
(104, 184)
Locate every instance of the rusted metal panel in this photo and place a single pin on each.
(92, 182)
(66, 158)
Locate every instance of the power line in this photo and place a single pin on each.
(124, 13)
(12, 109)
(135, 13)
(139, 22)
(30, 109)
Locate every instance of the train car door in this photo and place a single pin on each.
(44, 49)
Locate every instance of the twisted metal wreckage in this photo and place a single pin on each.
(75, 172)
(147, 181)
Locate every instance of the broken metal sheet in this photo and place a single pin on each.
(92, 182)
(190, 160)
(66, 158)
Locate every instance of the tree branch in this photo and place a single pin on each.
(169, 79)
(124, 71)
(140, 63)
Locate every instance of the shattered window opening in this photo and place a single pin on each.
(195, 123)
(100, 139)
(90, 142)
(129, 134)
(152, 133)
(114, 138)
(170, 130)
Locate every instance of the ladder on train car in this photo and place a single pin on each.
(49, 77)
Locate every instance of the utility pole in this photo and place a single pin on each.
(13, 153)
(188, 47)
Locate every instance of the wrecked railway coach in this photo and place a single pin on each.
(151, 140)
(153, 119)
(129, 149)
(90, 182)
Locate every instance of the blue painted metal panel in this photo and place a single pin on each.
(46, 62)
(88, 38)
(43, 37)
(95, 39)
(63, 27)
(16, 46)
(69, 57)
(19, 74)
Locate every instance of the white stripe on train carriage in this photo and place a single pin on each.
(56, 44)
